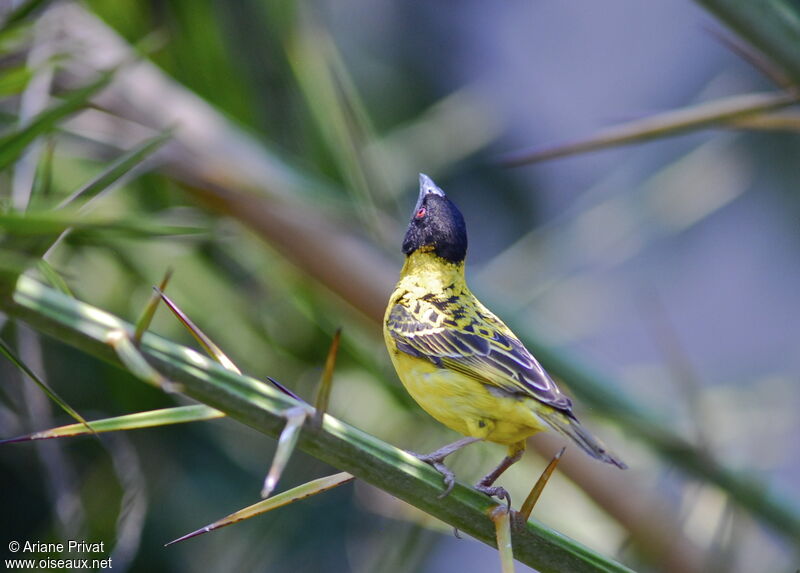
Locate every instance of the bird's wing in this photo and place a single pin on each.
(479, 346)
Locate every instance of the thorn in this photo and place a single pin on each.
(538, 487)
(269, 486)
(284, 389)
(325, 383)
(200, 531)
(501, 517)
(18, 439)
(135, 362)
(208, 345)
(295, 417)
(150, 309)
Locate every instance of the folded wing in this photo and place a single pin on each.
(478, 346)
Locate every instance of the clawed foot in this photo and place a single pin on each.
(436, 459)
(485, 485)
(494, 491)
(448, 477)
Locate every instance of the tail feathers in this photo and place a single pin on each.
(571, 428)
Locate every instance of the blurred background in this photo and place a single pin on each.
(666, 269)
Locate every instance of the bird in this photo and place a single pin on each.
(459, 361)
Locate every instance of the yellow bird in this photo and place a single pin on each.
(458, 360)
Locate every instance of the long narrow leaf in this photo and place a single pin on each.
(13, 262)
(118, 168)
(659, 125)
(6, 351)
(43, 178)
(14, 80)
(52, 276)
(151, 419)
(334, 104)
(53, 222)
(12, 144)
(295, 494)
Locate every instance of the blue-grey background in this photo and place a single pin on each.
(670, 266)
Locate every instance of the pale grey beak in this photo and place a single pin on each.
(427, 186)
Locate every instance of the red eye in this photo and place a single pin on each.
(420, 213)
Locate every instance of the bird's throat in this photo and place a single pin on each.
(425, 267)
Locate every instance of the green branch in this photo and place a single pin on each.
(259, 406)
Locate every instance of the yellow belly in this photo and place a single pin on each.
(464, 404)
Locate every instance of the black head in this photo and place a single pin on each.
(436, 224)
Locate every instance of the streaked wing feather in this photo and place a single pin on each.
(492, 357)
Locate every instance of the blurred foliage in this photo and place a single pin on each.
(279, 76)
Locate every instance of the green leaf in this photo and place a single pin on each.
(298, 493)
(150, 419)
(54, 222)
(13, 144)
(336, 107)
(43, 180)
(13, 262)
(14, 80)
(6, 351)
(121, 166)
(52, 276)
(21, 12)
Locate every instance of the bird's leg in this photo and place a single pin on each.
(436, 459)
(485, 485)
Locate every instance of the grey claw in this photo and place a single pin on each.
(449, 485)
(448, 477)
(497, 492)
(436, 459)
